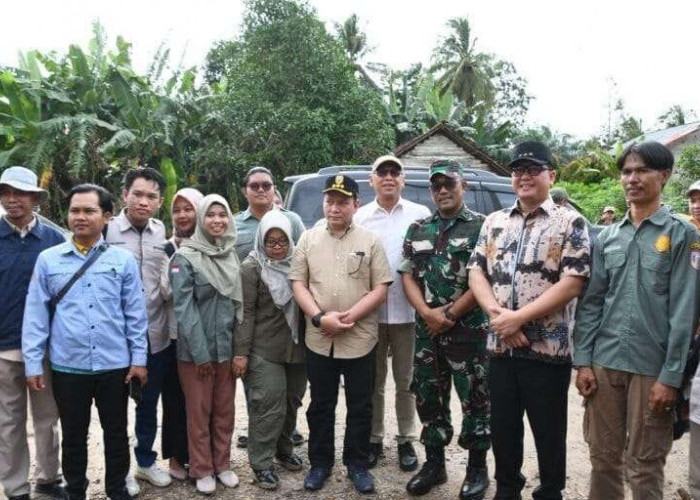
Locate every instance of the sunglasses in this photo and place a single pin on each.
(444, 182)
(277, 243)
(256, 186)
(531, 170)
(383, 172)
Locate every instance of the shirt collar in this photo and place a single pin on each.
(124, 224)
(547, 206)
(375, 206)
(347, 231)
(658, 218)
(464, 214)
(71, 247)
(22, 231)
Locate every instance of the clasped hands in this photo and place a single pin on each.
(508, 325)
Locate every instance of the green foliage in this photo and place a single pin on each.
(88, 117)
(676, 115)
(353, 39)
(290, 99)
(563, 146)
(686, 171)
(592, 197)
(594, 166)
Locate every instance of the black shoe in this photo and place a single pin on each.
(242, 441)
(54, 489)
(408, 461)
(291, 462)
(122, 495)
(316, 477)
(431, 474)
(475, 484)
(376, 450)
(266, 479)
(361, 479)
(297, 438)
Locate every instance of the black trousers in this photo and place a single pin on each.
(324, 379)
(74, 395)
(174, 430)
(539, 389)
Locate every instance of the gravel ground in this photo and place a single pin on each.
(390, 481)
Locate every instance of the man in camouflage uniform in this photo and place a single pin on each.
(450, 333)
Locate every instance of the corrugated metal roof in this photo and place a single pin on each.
(667, 136)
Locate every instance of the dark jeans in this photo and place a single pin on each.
(162, 377)
(324, 379)
(539, 389)
(74, 395)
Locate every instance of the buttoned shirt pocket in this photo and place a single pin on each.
(655, 271)
(108, 281)
(421, 261)
(56, 281)
(614, 264)
(357, 265)
(459, 254)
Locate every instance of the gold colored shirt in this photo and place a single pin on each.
(339, 271)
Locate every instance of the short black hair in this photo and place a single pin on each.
(148, 173)
(654, 155)
(256, 170)
(104, 198)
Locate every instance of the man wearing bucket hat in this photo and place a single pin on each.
(340, 276)
(22, 237)
(450, 333)
(388, 216)
(608, 217)
(531, 261)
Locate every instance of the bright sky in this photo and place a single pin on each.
(575, 55)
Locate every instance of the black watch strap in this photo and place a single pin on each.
(316, 320)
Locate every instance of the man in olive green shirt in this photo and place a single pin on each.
(633, 329)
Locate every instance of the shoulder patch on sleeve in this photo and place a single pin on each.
(695, 256)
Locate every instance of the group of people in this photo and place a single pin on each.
(502, 307)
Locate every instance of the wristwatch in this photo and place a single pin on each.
(316, 320)
(450, 316)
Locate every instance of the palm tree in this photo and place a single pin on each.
(676, 115)
(354, 42)
(352, 37)
(467, 73)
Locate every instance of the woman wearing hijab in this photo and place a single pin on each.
(268, 350)
(183, 213)
(207, 295)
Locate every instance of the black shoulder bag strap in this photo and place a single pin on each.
(63, 291)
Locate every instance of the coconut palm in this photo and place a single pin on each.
(352, 37)
(466, 73)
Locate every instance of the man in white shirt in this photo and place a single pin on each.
(389, 216)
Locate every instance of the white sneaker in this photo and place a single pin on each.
(132, 486)
(206, 485)
(228, 478)
(154, 475)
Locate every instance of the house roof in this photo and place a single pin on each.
(468, 146)
(667, 136)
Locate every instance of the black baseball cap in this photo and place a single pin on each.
(531, 152)
(342, 184)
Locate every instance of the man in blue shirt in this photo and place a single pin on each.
(22, 237)
(96, 339)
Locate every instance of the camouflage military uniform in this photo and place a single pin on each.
(436, 252)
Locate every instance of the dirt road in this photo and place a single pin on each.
(390, 480)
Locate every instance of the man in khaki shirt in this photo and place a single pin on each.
(340, 276)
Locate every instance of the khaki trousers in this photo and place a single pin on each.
(694, 455)
(401, 340)
(14, 450)
(210, 417)
(617, 417)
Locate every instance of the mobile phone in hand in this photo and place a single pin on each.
(135, 390)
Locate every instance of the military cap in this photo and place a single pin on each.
(342, 184)
(448, 168)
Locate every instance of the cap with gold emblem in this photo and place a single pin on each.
(342, 184)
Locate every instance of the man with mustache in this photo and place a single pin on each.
(633, 329)
(450, 333)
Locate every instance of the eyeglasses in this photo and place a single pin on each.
(277, 243)
(531, 170)
(383, 172)
(256, 186)
(444, 182)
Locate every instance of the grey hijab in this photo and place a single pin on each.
(274, 272)
(216, 260)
